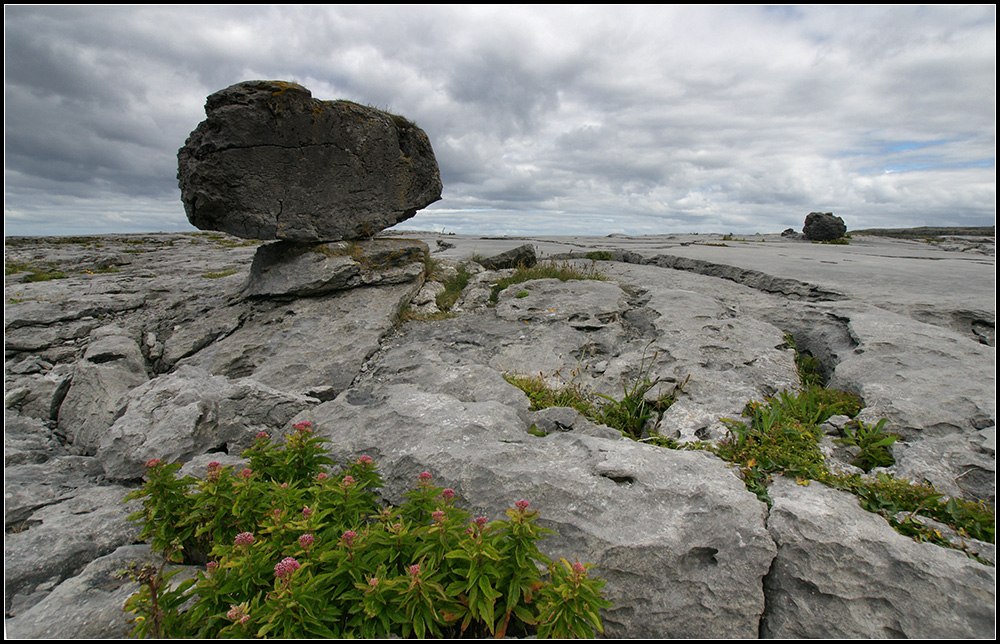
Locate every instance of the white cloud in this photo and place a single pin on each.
(625, 119)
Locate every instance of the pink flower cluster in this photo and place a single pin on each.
(447, 494)
(348, 537)
(153, 462)
(237, 614)
(284, 568)
(348, 480)
(365, 460)
(306, 540)
(425, 476)
(244, 539)
(305, 427)
(306, 512)
(522, 505)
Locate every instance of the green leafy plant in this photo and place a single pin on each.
(873, 441)
(295, 547)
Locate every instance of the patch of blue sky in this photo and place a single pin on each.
(909, 167)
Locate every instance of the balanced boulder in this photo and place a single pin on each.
(271, 162)
(823, 226)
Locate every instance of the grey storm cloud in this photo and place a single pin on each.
(573, 119)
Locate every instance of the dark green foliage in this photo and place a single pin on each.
(873, 442)
(295, 549)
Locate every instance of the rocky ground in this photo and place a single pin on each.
(123, 348)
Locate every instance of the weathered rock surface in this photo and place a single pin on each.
(197, 352)
(271, 162)
(823, 226)
(829, 581)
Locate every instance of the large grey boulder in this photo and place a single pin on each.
(842, 572)
(271, 162)
(823, 226)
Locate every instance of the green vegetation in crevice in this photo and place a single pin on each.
(37, 274)
(549, 270)
(781, 436)
(631, 414)
(453, 287)
(217, 275)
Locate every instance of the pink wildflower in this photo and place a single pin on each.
(365, 460)
(373, 582)
(348, 480)
(153, 462)
(306, 540)
(415, 570)
(579, 568)
(263, 436)
(522, 505)
(306, 512)
(211, 566)
(448, 494)
(481, 522)
(238, 614)
(246, 473)
(286, 567)
(425, 476)
(244, 539)
(322, 476)
(305, 427)
(348, 537)
(438, 515)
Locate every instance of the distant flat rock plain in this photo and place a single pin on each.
(121, 348)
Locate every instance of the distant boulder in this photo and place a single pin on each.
(823, 226)
(523, 255)
(271, 162)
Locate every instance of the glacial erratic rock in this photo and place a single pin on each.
(823, 226)
(271, 162)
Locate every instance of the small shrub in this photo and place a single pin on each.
(296, 549)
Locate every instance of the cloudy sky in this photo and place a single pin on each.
(544, 120)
